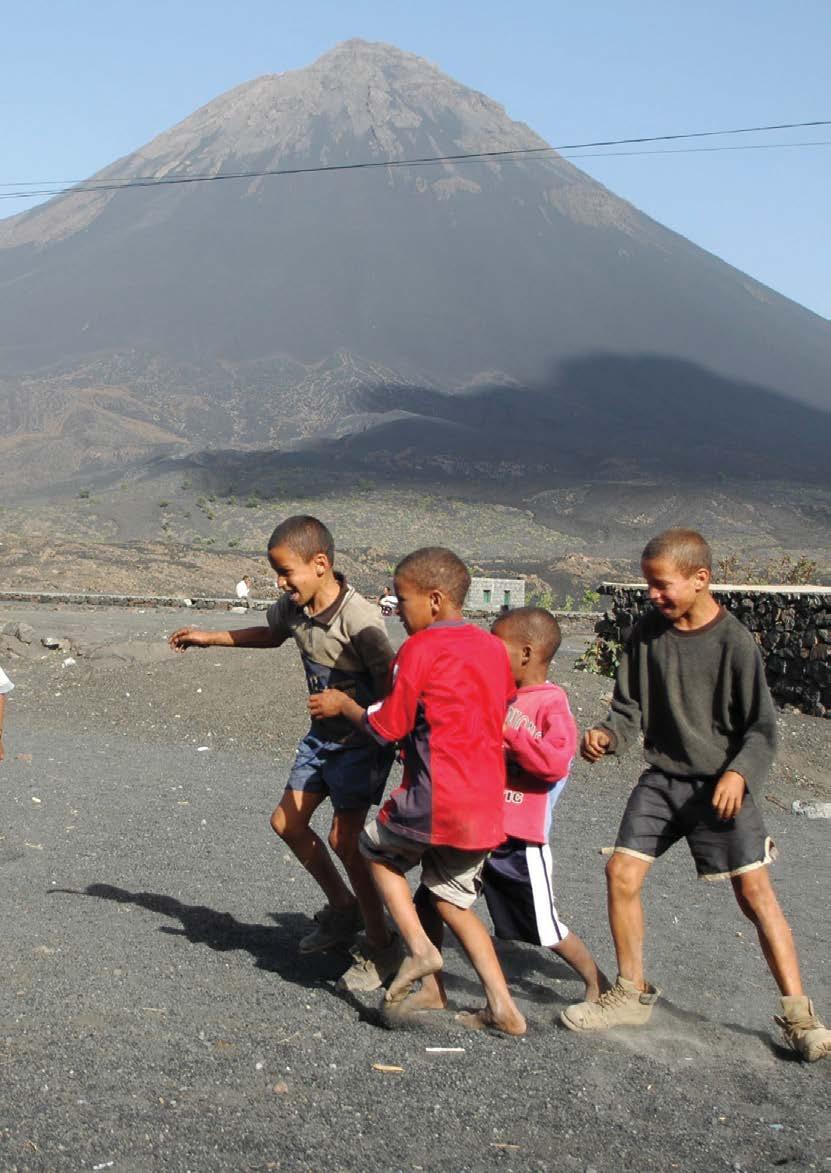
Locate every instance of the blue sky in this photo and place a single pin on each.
(85, 81)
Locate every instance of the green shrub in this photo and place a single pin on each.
(776, 570)
(601, 657)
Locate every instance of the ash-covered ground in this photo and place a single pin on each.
(155, 1014)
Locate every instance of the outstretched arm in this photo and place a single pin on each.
(387, 721)
(243, 637)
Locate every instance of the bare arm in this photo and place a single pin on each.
(243, 637)
(334, 703)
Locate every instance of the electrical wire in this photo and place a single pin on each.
(516, 154)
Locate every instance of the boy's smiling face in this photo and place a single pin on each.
(298, 578)
(670, 589)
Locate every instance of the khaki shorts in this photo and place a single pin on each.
(446, 872)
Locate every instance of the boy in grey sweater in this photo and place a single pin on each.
(692, 680)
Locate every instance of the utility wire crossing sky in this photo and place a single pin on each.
(65, 186)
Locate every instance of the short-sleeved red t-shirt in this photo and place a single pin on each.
(451, 687)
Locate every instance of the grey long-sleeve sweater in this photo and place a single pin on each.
(699, 696)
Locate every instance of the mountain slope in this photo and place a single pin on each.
(257, 312)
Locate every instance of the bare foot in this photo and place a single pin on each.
(510, 1023)
(431, 996)
(412, 969)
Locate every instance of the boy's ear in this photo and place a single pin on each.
(526, 654)
(436, 600)
(702, 578)
(321, 563)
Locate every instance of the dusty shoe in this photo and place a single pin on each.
(623, 1004)
(803, 1030)
(335, 926)
(371, 968)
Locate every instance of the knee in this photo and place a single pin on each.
(624, 875)
(283, 826)
(344, 844)
(754, 894)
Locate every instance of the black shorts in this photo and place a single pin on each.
(661, 810)
(516, 880)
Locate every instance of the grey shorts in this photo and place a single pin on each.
(661, 810)
(446, 872)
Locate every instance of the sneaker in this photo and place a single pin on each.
(371, 968)
(803, 1030)
(335, 926)
(623, 1004)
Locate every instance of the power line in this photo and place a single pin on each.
(516, 154)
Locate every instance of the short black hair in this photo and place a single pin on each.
(305, 535)
(534, 626)
(436, 568)
(685, 547)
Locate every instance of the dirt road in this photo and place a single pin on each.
(155, 1014)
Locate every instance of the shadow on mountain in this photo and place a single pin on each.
(599, 417)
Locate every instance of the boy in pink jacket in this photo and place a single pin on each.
(540, 739)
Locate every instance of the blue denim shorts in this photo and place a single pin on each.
(353, 776)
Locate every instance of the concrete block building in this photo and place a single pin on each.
(492, 594)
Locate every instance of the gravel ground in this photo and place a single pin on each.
(155, 1014)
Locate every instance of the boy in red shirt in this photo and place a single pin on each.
(540, 742)
(451, 683)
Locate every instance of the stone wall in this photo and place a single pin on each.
(791, 625)
(82, 599)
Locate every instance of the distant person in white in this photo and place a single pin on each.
(243, 590)
(5, 686)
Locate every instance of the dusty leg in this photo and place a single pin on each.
(431, 995)
(758, 902)
(625, 875)
(575, 953)
(343, 839)
(291, 822)
(501, 1012)
(424, 958)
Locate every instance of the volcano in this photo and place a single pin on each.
(485, 310)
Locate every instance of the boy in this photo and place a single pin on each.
(5, 687)
(540, 742)
(451, 685)
(342, 640)
(692, 679)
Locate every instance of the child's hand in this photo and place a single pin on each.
(595, 744)
(729, 794)
(328, 703)
(188, 637)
